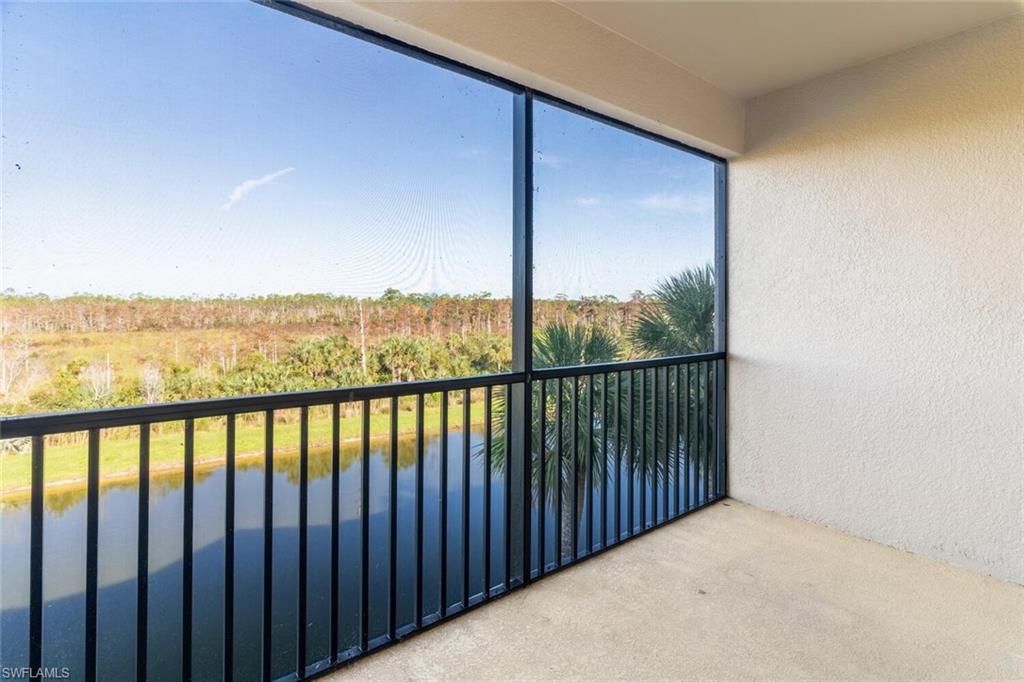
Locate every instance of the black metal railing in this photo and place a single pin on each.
(538, 472)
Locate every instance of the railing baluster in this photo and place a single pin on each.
(301, 620)
(188, 504)
(632, 459)
(707, 431)
(229, 550)
(698, 457)
(717, 431)
(704, 433)
(653, 390)
(719, 398)
(443, 502)
(418, 616)
(665, 443)
(656, 437)
(698, 496)
(651, 442)
(575, 467)
(590, 464)
(393, 524)
(709, 392)
(688, 425)
(364, 543)
(91, 547)
(268, 544)
(720, 393)
(558, 473)
(683, 398)
(508, 488)
(488, 437)
(335, 523)
(719, 417)
(667, 446)
(527, 432)
(542, 512)
(142, 565)
(466, 442)
(655, 452)
(604, 460)
(677, 440)
(35, 629)
(699, 482)
(643, 449)
(618, 457)
(660, 421)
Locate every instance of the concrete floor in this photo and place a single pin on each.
(732, 592)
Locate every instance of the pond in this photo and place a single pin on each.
(64, 559)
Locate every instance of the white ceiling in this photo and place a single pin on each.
(750, 48)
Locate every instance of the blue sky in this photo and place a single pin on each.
(227, 148)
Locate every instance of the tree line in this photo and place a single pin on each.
(393, 312)
(323, 341)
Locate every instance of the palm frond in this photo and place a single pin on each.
(681, 317)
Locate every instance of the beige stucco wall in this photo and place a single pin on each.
(547, 46)
(876, 256)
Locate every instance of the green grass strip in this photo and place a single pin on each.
(65, 462)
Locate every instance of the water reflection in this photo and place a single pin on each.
(64, 556)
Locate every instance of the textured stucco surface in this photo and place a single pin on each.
(876, 258)
(731, 592)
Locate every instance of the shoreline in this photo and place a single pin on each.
(24, 493)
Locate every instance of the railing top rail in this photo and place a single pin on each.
(626, 366)
(65, 422)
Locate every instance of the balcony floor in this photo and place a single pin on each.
(732, 592)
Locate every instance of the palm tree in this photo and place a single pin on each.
(681, 318)
(559, 344)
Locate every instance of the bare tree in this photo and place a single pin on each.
(151, 382)
(362, 338)
(14, 360)
(99, 376)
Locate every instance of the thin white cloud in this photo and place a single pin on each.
(552, 160)
(681, 202)
(247, 186)
(588, 201)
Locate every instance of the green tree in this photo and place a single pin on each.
(400, 358)
(559, 344)
(479, 353)
(680, 319)
(327, 362)
(66, 391)
(392, 295)
(254, 375)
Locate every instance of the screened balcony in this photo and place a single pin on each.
(512, 341)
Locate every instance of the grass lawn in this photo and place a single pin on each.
(65, 463)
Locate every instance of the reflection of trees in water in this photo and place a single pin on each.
(57, 501)
(351, 454)
(601, 434)
(163, 482)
